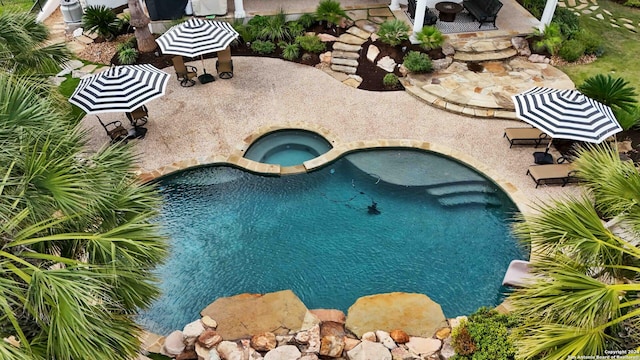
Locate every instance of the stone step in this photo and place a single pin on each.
(354, 30)
(344, 69)
(470, 199)
(491, 44)
(345, 54)
(351, 39)
(485, 56)
(346, 47)
(457, 189)
(346, 62)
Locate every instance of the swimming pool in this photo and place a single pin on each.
(443, 230)
(287, 147)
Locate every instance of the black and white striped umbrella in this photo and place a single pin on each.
(566, 114)
(196, 37)
(120, 89)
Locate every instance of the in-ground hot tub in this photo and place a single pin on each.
(287, 147)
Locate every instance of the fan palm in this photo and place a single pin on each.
(613, 92)
(585, 289)
(78, 240)
(23, 48)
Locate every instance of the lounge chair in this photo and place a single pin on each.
(138, 117)
(516, 274)
(525, 135)
(185, 73)
(115, 130)
(224, 64)
(552, 173)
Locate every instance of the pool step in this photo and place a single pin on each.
(465, 193)
(452, 189)
(470, 199)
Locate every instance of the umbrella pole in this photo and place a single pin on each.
(548, 146)
(202, 60)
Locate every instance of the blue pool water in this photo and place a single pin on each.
(443, 231)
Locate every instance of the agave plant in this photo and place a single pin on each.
(128, 56)
(430, 37)
(100, 20)
(549, 39)
(613, 92)
(330, 11)
(394, 32)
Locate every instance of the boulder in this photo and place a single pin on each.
(368, 350)
(309, 357)
(329, 315)
(209, 322)
(423, 346)
(443, 333)
(287, 352)
(228, 349)
(447, 350)
(455, 322)
(369, 336)
(416, 314)
(399, 336)
(213, 355)
(264, 342)
(387, 64)
(174, 344)
(209, 338)
(401, 353)
(385, 339)
(350, 343)
(521, 45)
(331, 328)
(332, 345)
(187, 355)
(372, 53)
(284, 339)
(243, 315)
(192, 330)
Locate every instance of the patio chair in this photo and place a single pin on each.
(224, 64)
(138, 117)
(115, 130)
(516, 274)
(561, 173)
(185, 73)
(524, 136)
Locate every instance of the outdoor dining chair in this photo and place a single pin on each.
(185, 73)
(138, 117)
(224, 64)
(115, 130)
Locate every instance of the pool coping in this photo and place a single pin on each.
(339, 149)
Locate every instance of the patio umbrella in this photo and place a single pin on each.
(120, 89)
(566, 114)
(196, 37)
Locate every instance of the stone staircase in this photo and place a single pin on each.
(490, 49)
(465, 193)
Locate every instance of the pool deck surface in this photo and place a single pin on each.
(213, 123)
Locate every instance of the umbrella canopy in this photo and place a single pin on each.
(120, 89)
(566, 114)
(196, 37)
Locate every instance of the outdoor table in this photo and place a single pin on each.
(448, 10)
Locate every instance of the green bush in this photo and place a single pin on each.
(390, 80)
(275, 28)
(430, 37)
(128, 56)
(244, 30)
(311, 43)
(295, 29)
(394, 32)
(485, 336)
(256, 24)
(592, 44)
(571, 50)
(307, 20)
(331, 12)
(263, 47)
(123, 22)
(535, 7)
(632, 3)
(417, 62)
(550, 39)
(290, 51)
(616, 93)
(100, 20)
(628, 119)
(568, 22)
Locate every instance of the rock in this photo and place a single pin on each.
(187, 355)
(624, 146)
(344, 55)
(226, 349)
(264, 342)
(385, 339)
(372, 53)
(78, 32)
(72, 65)
(369, 336)
(344, 69)
(209, 322)
(213, 355)
(354, 30)
(331, 328)
(345, 62)
(453, 323)
(351, 39)
(243, 315)
(193, 329)
(56, 80)
(416, 314)
(374, 37)
(403, 70)
(203, 352)
(537, 58)
(77, 74)
(357, 78)
(327, 37)
(447, 350)
(332, 345)
(423, 346)
(448, 49)
(326, 57)
(314, 339)
(401, 353)
(346, 47)
(443, 333)
(309, 357)
(284, 339)
(350, 343)
(387, 64)
(399, 336)
(367, 25)
(302, 337)
(521, 45)
(441, 64)
(368, 350)
(174, 343)
(209, 338)
(287, 352)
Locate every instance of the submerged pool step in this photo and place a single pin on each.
(465, 193)
(459, 188)
(470, 199)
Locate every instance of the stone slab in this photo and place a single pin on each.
(381, 12)
(345, 54)
(244, 315)
(344, 69)
(346, 62)
(346, 47)
(415, 314)
(354, 30)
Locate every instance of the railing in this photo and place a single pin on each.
(37, 6)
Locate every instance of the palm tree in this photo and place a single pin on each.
(78, 240)
(23, 47)
(584, 295)
(140, 21)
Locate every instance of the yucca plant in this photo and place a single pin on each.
(549, 39)
(100, 20)
(275, 28)
(311, 43)
(430, 37)
(330, 11)
(613, 92)
(290, 51)
(394, 32)
(128, 56)
(244, 30)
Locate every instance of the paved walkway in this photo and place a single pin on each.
(592, 9)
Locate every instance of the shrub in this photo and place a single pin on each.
(394, 32)
(549, 39)
(295, 29)
(430, 37)
(123, 22)
(628, 119)
(256, 24)
(244, 30)
(462, 342)
(417, 62)
(311, 43)
(290, 51)
(592, 44)
(330, 11)
(100, 20)
(632, 3)
(535, 7)
(127, 56)
(485, 335)
(263, 47)
(307, 20)
(613, 92)
(275, 28)
(571, 50)
(568, 22)
(390, 80)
